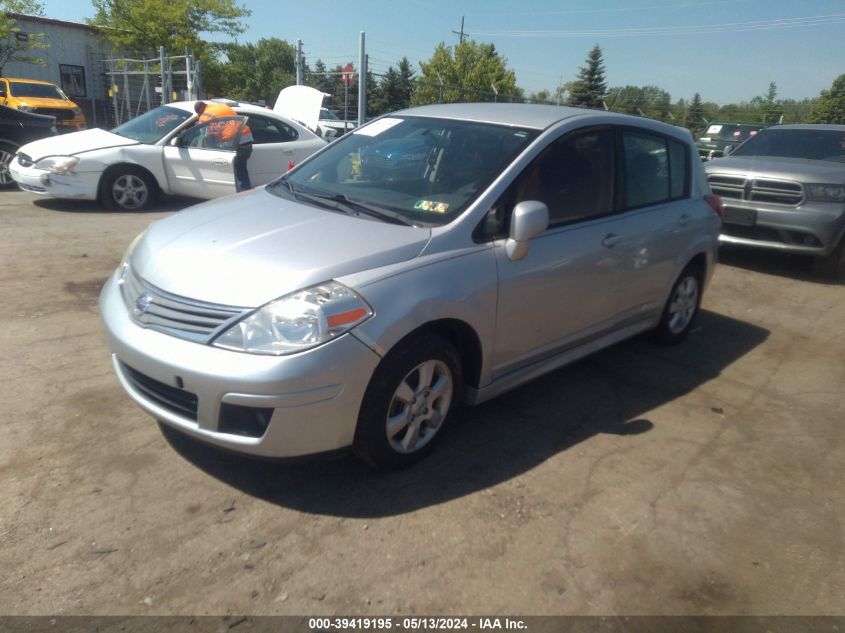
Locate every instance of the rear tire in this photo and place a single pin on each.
(681, 308)
(128, 188)
(831, 266)
(407, 402)
(7, 155)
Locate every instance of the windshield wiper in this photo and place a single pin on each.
(356, 207)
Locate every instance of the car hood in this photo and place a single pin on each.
(250, 248)
(300, 103)
(75, 143)
(799, 169)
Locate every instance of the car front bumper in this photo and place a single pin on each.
(813, 228)
(305, 403)
(82, 185)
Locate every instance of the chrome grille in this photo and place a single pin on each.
(178, 316)
(61, 114)
(171, 398)
(757, 189)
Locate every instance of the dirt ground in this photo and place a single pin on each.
(699, 479)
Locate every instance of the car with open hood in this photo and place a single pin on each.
(435, 256)
(163, 150)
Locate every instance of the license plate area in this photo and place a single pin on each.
(740, 217)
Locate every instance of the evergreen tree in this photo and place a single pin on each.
(695, 116)
(830, 106)
(772, 108)
(406, 83)
(590, 89)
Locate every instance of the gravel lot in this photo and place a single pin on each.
(699, 479)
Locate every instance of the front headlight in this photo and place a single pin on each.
(298, 321)
(826, 193)
(57, 164)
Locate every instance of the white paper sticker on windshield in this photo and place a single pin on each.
(377, 127)
(714, 129)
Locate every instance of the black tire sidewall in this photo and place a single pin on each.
(106, 194)
(9, 147)
(371, 443)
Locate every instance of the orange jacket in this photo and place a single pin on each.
(224, 132)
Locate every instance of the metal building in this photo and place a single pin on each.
(74, 62)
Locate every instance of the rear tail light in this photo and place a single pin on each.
(715, 203)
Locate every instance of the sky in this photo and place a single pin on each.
(726, 50)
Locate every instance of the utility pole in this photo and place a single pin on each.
(362, 83)
(300, 71)
(461, 32)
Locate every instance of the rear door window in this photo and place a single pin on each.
(656, 168)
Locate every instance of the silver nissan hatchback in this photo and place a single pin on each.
(438, 255)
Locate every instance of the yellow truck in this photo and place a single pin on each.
(42, 97)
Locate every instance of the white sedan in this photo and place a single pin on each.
(163, 150)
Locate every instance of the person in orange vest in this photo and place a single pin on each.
(224, 133)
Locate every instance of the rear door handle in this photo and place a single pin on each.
(220, 162)
(610, 240)
(287, 152)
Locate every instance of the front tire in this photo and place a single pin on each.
(681, 308)
(7, 155)
(407, 402)
(128, 189)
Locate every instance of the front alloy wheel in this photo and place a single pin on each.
(419, 406)
(128, 189)
(7, 154)
(407, 402)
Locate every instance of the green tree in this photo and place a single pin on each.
(649, 101)
(590, 89)
(694, 121)
(830, 106)
(467, 72)
(394, 89)
(140, 27)
(772, 108)
(12, 48)
(407, 82)
(256, 72)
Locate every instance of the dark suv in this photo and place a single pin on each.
(721, 134)
(18, 128)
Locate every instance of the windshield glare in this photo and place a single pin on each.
(428, 170)
(154, 125)
(810, 144)
(35, 91)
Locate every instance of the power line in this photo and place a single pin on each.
(783, 23)
(461, 32)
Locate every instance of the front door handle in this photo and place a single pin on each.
(220, 162)
(610, 240)
(287, 152)
(683, 219)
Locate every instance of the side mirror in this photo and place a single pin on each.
(530, 218)
(728, 150)
(176, 141)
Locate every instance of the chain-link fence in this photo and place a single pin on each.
(136, 86)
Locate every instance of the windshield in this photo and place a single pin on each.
(423, 169)
(36, 91)
(810, 144)
(154, 125)
(731, 131)
(328, 114)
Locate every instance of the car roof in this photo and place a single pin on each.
(517, 114)
(30, 81)
(809, 126)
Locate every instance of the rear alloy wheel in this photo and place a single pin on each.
(407, 402)
(681, 308)
(7, 155)
(128, 189)
(832, 266)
